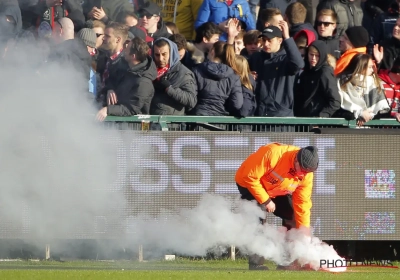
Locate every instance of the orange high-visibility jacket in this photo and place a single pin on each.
(270, 172)
(345, 59)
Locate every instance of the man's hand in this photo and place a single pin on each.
(270, 207)
(378, 53)
(283, 25)
(102, 114)
(53, 3)
(111, 97)
(97, 13)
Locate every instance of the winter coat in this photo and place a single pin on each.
(332, 45)
(391, 50)
(274, 89)
(181, 95)
(349, 13)
(270, 172)
(219, 11)
(316, 92)
(181, 12)
(220, 90)
(135, 90)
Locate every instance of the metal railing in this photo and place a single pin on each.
(253, 124)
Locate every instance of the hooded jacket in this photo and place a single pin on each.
(349, 13)
(269, 172)
(220, 90)
(135, 90)
(346, 57)
(9, 30)
(274, 89)
(316, 93)
(181, 12)
(219, 11)
(181, 95)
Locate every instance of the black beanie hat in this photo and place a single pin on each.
(358, 36)
(308, 158)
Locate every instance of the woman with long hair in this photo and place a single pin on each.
(248, 87)
(219, 87)
(360, 90)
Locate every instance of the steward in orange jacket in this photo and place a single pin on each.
(280, 178)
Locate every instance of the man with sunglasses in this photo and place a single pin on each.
(326, 29)
(150, 19)
(280, 178)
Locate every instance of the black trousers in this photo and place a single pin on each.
(283, 204)
(283, 210)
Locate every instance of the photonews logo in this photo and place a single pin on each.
(338, 263)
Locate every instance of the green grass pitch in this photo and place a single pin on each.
(179, 269)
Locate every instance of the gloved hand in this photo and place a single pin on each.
(165, 84)
(162, 84)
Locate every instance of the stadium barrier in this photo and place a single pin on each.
(187, 156)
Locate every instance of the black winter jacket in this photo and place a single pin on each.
(220, 90)
(332, 45)
(181, 95)
(274, 89)
(316, 92)
(135, 90)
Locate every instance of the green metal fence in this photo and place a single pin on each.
(253, 124)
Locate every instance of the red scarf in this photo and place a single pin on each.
(106, 73)
(228, 2)
(161, 71)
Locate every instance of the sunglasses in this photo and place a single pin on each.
(147, 15)
(98, 35)
(325, 23)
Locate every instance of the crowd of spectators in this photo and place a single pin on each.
(327, 58)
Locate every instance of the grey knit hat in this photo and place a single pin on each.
(308, 158)
(88, 36)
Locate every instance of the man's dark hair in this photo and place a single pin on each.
(161, 43)
(139, 48)
(206, 30)
(179, 40)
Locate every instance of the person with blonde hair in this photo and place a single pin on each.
(248, 87)
(362, 96)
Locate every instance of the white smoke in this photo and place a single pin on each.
(56, 169)
(213, 223)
